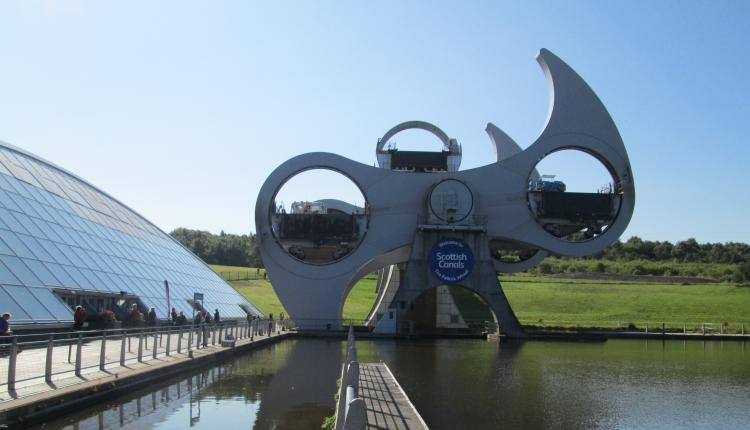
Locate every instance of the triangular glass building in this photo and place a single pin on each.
(63, 243)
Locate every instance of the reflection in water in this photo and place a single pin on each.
(300, 395)
(623, 384)
(541, 385)
(286, 385)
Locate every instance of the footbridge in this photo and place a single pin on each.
(370, 397)
(43, 375)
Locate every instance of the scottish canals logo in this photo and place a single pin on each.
(451, 260)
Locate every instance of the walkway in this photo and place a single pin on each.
(30, 367)
(388, 407)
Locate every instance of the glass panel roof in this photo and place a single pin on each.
(57, 231)
(29, 303)
(10, 305)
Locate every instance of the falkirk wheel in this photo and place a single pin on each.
(426, 224)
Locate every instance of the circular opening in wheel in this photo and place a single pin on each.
(574, 195)
(319, 216)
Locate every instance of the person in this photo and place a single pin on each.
(6, 334)
(4, 325)
(181, 319)
(174, 316)
(217, 317)
(152, 317)
(79, 316)
(207, 317)
(281, 316)
(198, 317)
(135, 315)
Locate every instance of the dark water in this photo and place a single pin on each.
(456, 384)
(290, 384)
(619, 384)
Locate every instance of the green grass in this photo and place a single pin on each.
(472, 306)
(568, 302)
(261, 294)
(361, 299)
(220, 268)
(565, 302)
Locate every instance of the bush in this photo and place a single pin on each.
(545, 268)
(329, 423)
(741, 273)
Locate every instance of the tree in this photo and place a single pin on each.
(741, 273)
(663, 251)
(687, 250)
(226, 249)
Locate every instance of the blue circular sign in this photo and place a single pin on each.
(451, 260)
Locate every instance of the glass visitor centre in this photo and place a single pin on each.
(64, 243)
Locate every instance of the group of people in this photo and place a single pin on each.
(201, 316)
(137, 317)
(178, 319)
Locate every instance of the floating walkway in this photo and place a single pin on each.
(371, 398)
(387, 405)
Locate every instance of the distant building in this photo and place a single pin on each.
(326, 206)
(63, 243)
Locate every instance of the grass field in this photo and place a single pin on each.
(260, 293)
(219, 268)
(567, 302)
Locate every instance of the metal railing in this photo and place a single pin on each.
(704, 328)
(31, 359)
(351, 412)
(244, 275)
(327, 324)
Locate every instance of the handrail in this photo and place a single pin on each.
(95, 332)
(350, 410)
(75, 352)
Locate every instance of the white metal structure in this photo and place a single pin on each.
(489, 203)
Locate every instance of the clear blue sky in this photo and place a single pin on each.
(181, 109)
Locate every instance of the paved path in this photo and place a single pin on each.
(30, 365)
(388, 407)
